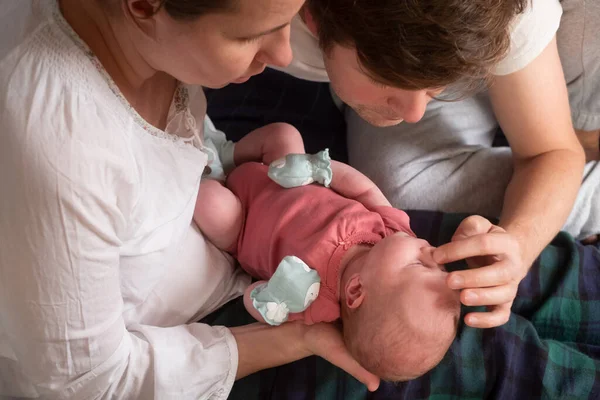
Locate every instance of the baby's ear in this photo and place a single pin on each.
(354, 292)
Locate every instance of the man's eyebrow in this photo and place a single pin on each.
(266, 32)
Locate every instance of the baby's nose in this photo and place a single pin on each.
(427, 254)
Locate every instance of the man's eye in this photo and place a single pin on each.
(377, 83)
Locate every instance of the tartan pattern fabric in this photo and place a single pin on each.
(549, 349)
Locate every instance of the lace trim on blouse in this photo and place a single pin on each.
(179, 106)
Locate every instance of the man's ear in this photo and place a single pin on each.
(354, 292)
(309, 21)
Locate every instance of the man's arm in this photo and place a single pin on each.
(352, 184)
(533, 110)
(532, 107)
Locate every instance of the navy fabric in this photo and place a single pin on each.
(277, 97)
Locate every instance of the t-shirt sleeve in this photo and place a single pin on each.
(64, 209)
(531, 32)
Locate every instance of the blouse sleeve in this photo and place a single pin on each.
(63, 212)
(225, 148)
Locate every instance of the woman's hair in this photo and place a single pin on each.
(186, 10)
(191, 9)
(419, 44)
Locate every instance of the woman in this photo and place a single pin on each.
(100, 271)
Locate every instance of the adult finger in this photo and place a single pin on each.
(489, 296)
(499, 273)
(479, 245)
(471, 226)
(330, 346)
(499, 315)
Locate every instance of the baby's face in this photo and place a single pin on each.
(403, 265)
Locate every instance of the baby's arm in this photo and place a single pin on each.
(268, 144)
(352, 184)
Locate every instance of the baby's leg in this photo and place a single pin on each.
(218, 214)
(269, 143)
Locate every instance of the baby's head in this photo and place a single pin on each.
(399, 315)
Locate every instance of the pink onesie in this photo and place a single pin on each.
(311, 222)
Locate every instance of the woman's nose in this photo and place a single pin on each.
(410, 105)
(276, 49)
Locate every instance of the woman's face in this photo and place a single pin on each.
(220, 48)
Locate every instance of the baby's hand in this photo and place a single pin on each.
(497, 269)
(296, 170)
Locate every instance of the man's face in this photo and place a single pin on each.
(376, 103)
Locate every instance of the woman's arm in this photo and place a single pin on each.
(261, 346)
(533, 110)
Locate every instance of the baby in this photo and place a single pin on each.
(328, 253)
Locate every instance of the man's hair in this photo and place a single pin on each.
(419, 44)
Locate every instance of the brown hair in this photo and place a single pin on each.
(191, 9)
(182, 10)
(419, 44)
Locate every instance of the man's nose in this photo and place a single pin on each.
(410, 105)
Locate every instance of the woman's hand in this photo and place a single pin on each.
(497, 268)
(261, 346)
(325, 340)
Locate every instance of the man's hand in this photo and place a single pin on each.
(497, 268)
(325, 340)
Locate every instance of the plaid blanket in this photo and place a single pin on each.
(549, 348)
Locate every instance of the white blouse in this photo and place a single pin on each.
(101, 270)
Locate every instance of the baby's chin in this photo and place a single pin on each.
(402, 234)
